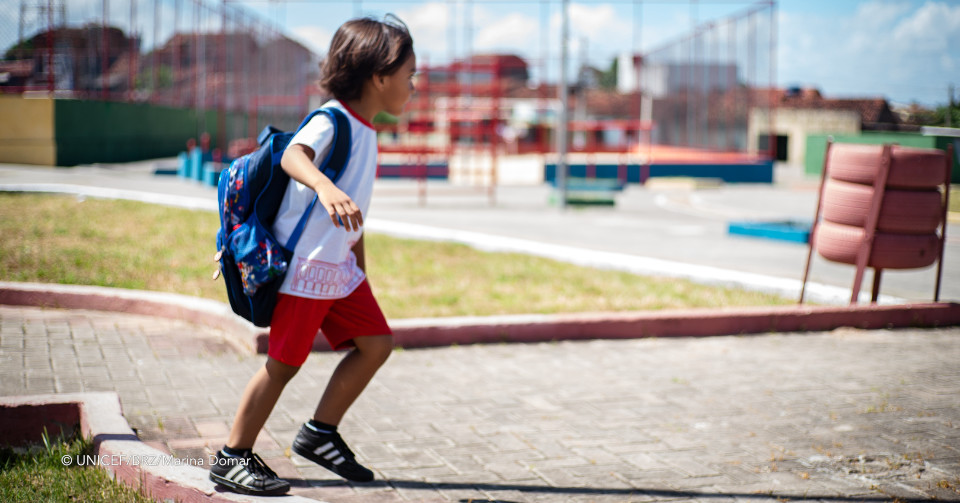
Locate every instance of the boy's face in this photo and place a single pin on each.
(398, 86)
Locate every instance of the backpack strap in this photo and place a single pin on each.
(332, 166)
(336, 161)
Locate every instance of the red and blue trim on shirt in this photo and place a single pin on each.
(357, 116)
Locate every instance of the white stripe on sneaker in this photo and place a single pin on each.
(334, 453)
(323, 448)
(233, 471)
(339, 460)
(246, 480)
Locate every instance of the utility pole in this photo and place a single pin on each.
(581, 137)
(564, 102)
(23, 15)
(950, 105)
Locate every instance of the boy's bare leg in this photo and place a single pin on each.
(352, 376)
(258, 400)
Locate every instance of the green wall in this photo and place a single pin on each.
(99, 131)
(817, 146)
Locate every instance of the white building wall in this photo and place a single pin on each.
(796, 124)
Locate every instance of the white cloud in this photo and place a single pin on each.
(805, 45)
(505, 28)
(514, 32)
(429, 25)
(315, 38)
(606, 33)
(871, 23)
(894, 49)
(877, 14)
(598, 23)
(932, 28)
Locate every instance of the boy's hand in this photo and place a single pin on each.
(339, 206)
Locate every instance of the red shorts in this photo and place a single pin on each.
(296, 321)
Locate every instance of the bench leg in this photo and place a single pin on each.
(876, 285)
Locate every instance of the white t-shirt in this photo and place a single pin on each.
(323, 264)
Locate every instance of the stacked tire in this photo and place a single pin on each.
(910, 212)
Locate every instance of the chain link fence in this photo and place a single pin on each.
(175, 53)
(700, 90)
(697, 92)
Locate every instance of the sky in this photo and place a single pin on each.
(903, 50)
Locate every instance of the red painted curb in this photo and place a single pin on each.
(117, 448)
(682, 323)
(420, 333)
(193, 310)
(25, 424)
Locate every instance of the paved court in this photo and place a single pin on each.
(846, 415)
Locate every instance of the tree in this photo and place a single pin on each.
(608, 79)
(947, 115)
(942, 113)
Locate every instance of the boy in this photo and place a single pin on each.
(369, 69)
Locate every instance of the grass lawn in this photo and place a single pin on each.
(125, 244)
(37, 474)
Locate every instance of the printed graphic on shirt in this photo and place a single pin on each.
(317, 270)
(323, 279)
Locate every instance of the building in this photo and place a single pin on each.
(802, 112)
(73, 61)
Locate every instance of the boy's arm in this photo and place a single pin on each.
(297, 161)
(361, 258)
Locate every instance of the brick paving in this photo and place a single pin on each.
(846, 415)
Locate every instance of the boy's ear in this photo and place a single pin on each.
(379, 82)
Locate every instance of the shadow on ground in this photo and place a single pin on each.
(596, 491)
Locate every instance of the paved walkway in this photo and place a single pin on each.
(841, 416)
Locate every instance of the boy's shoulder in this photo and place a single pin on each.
(321, 123)
(325, 120)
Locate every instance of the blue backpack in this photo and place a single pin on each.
(249, 194)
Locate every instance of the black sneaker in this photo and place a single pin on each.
(331, 452)
(247, 474)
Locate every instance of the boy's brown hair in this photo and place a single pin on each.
(362, 48)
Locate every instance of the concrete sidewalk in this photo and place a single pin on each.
(846, 415)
